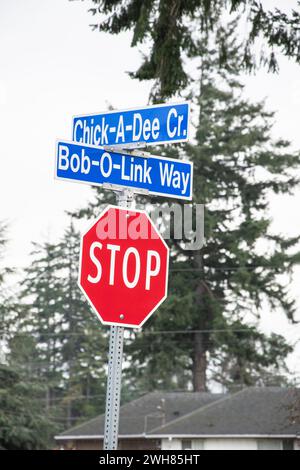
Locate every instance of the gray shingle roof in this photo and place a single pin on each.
(144, 414)
(252, 411)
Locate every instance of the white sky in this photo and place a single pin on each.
(52, 67)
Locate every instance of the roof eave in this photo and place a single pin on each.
(180, 436)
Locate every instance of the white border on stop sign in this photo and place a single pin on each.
(88, 227)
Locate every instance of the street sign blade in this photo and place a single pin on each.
(96, 166)
(151, 125)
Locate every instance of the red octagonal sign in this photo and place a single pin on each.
(123, 267)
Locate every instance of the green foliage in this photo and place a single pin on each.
(84, 345)
(202, 331)
(6, 297)
(39, 314)
(66, 348)
(23, 422)
(246, 357)
(171, 29)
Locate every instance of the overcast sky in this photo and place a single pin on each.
(52, 67)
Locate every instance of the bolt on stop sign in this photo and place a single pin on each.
(123, 267)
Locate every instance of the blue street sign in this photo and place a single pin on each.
(159, 124)
(96, 166)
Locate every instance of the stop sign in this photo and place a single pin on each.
(123, 267)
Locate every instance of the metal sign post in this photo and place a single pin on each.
(113, 390)
(114, 375)
(106, 151)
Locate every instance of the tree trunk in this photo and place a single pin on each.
(47, 400)
(200, 337)
(199, 364)
(69, 414)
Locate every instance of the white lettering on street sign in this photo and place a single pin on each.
(152, 125)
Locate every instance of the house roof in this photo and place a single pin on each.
(252, 411)
(146, 413)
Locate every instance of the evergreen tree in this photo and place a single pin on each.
(23, 425)
(237, 168)
(6, 300)
(62, 344)
(40, 317)
(171, 29)
(84, 342)
(243, 356)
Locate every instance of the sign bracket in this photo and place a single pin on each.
(128, 151)
(119, 190)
